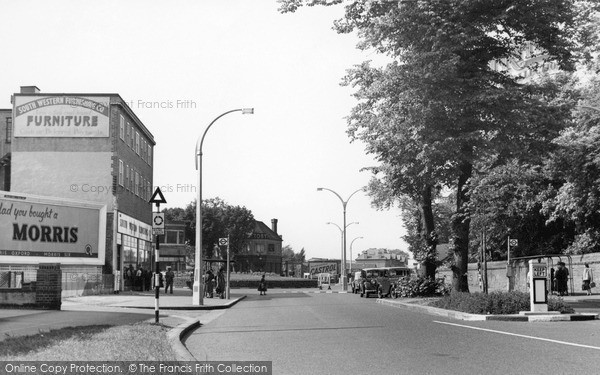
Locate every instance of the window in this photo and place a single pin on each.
(121, 172)
(137, 184)
(150, 154)
(132, 135)
(8, 129)
(260, 248)
(128, 134)
(126, 177)
(131, 182)
(143, 149)
(137, 143)
(122, 127)
(271, 248)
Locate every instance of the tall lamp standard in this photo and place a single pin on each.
(342, 236)
(198, 288)
(351, 242)
(344, 203)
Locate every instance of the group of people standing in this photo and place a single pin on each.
(215, 284)
(141, 280)
(560, 279)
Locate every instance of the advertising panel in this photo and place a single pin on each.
(325, 267)
(133, 227)
(43, 229)
(61, 116)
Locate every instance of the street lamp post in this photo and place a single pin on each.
(342, 236)
(198, 287)
(344, 203)
(351, 242)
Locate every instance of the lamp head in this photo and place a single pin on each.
(247, 111)
(319, 189)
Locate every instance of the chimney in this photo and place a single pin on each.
(30, 90)
(274, 225)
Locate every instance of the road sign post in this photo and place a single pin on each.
(225, 242)
(158, 229)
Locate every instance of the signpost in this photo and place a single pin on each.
(158, 229)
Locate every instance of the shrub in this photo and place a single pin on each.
(421, 287)
(501, 303)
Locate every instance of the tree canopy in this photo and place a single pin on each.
(442, 112)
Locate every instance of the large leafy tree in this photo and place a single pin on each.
(439, 102)
(219, 219)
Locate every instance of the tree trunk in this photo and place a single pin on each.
(428, 233)
(460, 231)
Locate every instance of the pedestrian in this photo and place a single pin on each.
(588, 278)
(262, 286)
(209, 281)
(221, 283)
(562, 276)
(138, 278)
(169, 277)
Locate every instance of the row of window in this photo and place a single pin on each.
(133, 181)
(135, 140)
(260, 248)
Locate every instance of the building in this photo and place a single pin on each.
(5, 142)
(173, 247)
(263, 251)
(90, 148)
(374, 258)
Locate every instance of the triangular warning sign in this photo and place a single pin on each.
(157, 197)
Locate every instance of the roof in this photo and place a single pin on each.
(262, 232)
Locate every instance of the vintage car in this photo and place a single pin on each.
(368, 281)
(387, 279)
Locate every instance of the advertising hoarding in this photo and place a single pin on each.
(61, 116)
(43, 229)
(324, 267)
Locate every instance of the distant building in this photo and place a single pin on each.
(372, 258)
(263, 251)
(173, 246)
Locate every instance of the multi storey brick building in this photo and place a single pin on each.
(85, 147)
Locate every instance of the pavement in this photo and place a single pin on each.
(177, 312)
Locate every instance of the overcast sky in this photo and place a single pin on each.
(180, 64)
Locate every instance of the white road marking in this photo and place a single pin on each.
(519, 335)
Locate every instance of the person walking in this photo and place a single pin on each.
(221, 283)
(169, 277)
(262, 286)
(588, 278)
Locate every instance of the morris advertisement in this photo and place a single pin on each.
(54, 229)
(61, 116)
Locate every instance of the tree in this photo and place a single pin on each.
(219, 219)
(440, 102)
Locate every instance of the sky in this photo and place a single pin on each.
(181, 64)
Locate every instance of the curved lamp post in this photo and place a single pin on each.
(344, 203)
(198, 288)
(351, 242)
(342, 236)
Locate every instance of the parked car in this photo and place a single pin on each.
(387, 279)
(368, 281)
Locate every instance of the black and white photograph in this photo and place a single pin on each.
(299, 187)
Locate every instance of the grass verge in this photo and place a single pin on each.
(140, 341)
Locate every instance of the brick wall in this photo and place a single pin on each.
(48, 286)
(498, 280)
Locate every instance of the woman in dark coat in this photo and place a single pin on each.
(262, 286)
